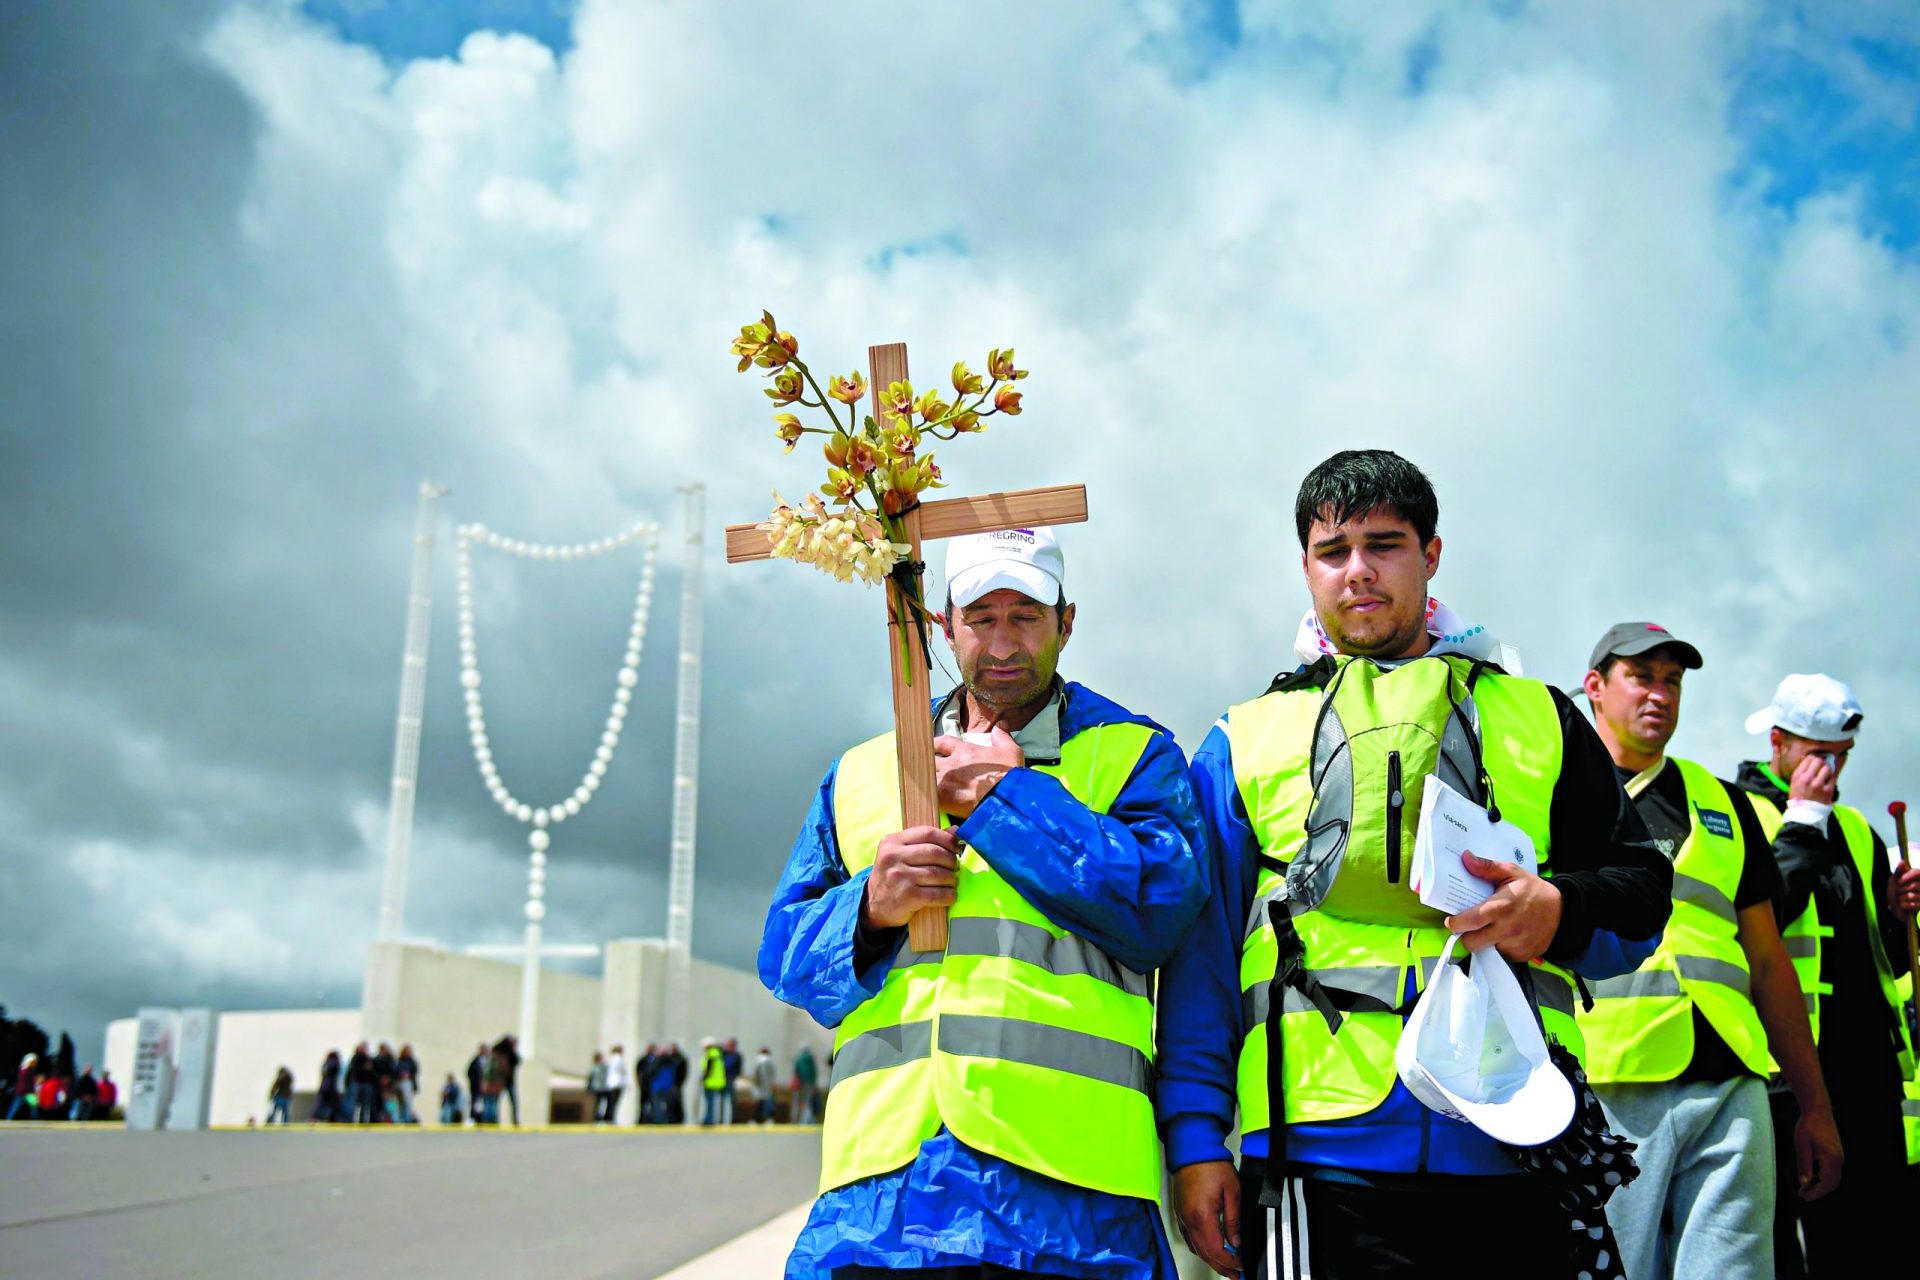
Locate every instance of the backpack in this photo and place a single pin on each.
(1379, 733)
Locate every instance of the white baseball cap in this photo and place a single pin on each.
(1026, 560)
(1816, 706)
(1472, 1050)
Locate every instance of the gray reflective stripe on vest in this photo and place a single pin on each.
(1665, 982)
(1550, 990)
(1701, 969)
(908, 959)
(1802, 947)
(1383, 983)
(1256, 1002)
(883, 1047)
(1378, 982)
(1030, 944)
(1910, 1107)
(1039, 1045)
(1703, 895)
(1813, 1005)
(1652, 982)
(1257, 915)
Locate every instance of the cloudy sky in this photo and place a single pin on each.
(1636, 284)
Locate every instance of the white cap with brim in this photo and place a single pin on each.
(1472, 1050)
(1817, 707)
(1024, 560)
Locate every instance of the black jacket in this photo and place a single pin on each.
(1816, 865)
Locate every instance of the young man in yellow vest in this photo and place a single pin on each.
(1846, 915)
(1315, 944)
(1678, 1049)
(991, 1111)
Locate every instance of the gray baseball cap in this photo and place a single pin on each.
(1631, 639)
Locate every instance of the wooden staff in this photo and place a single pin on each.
(912, 701)
(1899, 811)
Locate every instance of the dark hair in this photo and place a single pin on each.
(1355, 482)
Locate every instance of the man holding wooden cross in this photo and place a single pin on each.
(991, 1110)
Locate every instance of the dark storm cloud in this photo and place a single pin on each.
(256, 283)
(209, 501)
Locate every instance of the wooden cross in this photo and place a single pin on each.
(940, 518)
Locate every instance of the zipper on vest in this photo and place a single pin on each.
(1396, 801)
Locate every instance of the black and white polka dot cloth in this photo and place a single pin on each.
(1586, 1164)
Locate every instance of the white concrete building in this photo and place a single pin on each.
(445, 1004)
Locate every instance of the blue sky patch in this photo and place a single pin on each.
(947, 244)
(1206, 35)
(402, 30)
(1423, 58)
(1816, 114)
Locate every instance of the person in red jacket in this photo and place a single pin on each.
(53, 1095)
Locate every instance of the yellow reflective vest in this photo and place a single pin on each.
(1858, 834)
(1640, 1028)
(1804, 936)
(1372, 934)
(1026, 1041)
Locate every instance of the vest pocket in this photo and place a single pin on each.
(1396, 802)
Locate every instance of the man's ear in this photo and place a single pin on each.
(1592, 685)
(1431, 553)
(1066, 623)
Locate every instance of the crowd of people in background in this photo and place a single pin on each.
(720, 1080)
(47, 1089)
(661, 1075)
(40, 1080)
(379, 1085)
(369, 1087)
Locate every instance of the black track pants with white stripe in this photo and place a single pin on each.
(1335, 1229)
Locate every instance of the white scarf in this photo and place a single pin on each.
(1451, 634)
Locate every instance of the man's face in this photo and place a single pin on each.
(1008, 646)
(1639, 699)
(1368, 578)
(1789, 749)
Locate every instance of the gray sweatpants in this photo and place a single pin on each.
(1703, 1203)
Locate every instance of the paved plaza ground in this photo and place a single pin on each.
(98, 1201)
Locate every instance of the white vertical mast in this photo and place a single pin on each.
(535, 911)
(406, 733)
(686, 773)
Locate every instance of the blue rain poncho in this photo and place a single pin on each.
(1130, 880)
